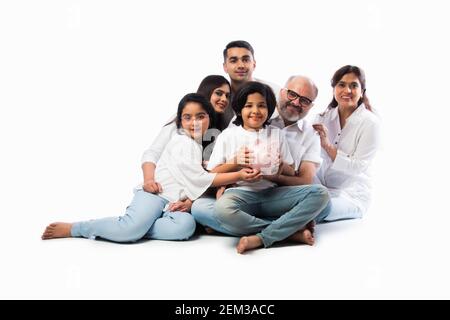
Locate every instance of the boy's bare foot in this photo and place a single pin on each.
(57, 230)
(248, 243)
(310, 226)
(303, 236)
(209, 230)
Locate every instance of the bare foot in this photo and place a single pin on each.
(209, 230)
(310, 226)
(303, 236)
(57, 230)
(248, 243)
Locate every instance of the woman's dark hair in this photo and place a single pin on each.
(240, 99)
(206, 89)
(208, 84)
(362, 79)
(197, 98)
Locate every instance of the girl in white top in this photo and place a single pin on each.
(349, 136)
(181, 176)
(216, 89)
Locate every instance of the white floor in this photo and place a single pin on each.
(351, 259)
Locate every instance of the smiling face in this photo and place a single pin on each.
(220, 98)
(296, 99)
(255, 112)
(194, 120)
(239, 64)
(348, 91)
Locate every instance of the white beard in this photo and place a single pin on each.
(292, 118)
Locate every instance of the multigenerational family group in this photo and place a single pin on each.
(241, 161)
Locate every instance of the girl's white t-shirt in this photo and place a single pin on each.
(179, 170)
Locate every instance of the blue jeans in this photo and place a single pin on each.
(203, 212)
(273, 214)
(143, 218)
(339, 208)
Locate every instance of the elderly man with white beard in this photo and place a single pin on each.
(295, 101)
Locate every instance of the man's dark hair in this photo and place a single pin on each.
(238, 44)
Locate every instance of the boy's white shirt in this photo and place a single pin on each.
(230, 141)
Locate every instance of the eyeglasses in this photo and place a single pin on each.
(292, 95)
(199, 117)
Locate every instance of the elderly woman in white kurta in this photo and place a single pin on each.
(349, 136)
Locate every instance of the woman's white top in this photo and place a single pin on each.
(179, 170)
(232, 139)
(153, 153)
(349, 174)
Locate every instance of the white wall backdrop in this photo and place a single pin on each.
(86, 85)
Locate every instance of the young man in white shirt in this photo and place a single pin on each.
(239, 63)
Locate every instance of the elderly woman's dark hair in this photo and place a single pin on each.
(362, 79)
(197, 98)
(240, 99)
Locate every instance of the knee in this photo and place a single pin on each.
(201, 208)
(320, 194)
(224, 210)
(185, 226)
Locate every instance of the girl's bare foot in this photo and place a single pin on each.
(57, 230)
(248, 243)
(303, 236)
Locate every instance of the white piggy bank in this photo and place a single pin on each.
(266, 157)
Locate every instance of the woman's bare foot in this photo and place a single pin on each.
(57, 230)
(248, 243)
(303, 236)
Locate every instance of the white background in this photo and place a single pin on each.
(85, 86)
